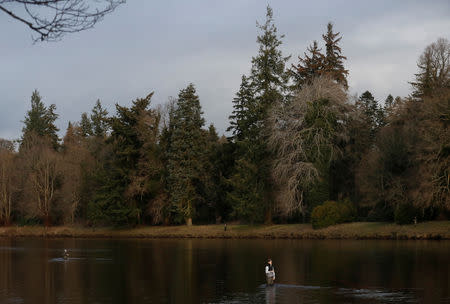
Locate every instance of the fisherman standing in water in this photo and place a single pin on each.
(270, 272)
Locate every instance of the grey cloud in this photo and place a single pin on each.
(162, 46)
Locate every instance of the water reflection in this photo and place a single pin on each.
(223, 271)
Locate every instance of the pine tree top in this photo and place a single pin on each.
(334, 61)
(40, 120)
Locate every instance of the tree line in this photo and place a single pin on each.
(297, 143)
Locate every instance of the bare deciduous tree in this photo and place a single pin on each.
(298, 141)
(76, 158)
(42, 175)
(52, 19)
(434, 69)
(6, 144)
(8, 185)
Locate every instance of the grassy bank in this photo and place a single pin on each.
(427, 230)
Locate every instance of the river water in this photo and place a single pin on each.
(223, 271)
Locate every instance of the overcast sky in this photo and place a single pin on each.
(162, 46)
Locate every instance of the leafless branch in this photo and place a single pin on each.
(52, 19)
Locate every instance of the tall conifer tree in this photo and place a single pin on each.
(85, 125)
(186, 156)
(334, 61)
(266, 86)
(373, 112)
(99, 120)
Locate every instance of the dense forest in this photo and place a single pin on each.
(300, 149)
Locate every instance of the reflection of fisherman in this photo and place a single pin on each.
(66, 254)
(270, 272)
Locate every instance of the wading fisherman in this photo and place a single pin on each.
(270, 272)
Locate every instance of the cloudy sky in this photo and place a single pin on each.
(162, 46)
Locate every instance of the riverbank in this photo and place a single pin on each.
(362, 230)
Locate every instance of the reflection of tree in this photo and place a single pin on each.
(190, 271)
(6, 273)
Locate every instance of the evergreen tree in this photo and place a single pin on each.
(268, 75)
(247, 197)
(99, 120)
(40, 120)
(389, 102)
(70, 136)
(244, 116)
(85, 125)
(373, 112)
(308, 68)
(267, 85)
(333, 61)
(210, 179)
(128, 176)
(186, 156)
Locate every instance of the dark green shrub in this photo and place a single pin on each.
(332, 213)
(404, 214)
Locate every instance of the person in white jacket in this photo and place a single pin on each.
(270, 272)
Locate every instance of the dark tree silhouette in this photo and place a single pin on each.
(52, 19)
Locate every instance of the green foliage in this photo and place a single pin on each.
(374, 114)
(268, 75)
(245, 115)
(40, 120)
(131, 173)
(28, 221)
(85, 125)
(186, 156)
(223, 163)
(332, 213)
(99, 121)
(404, 214)
(334, 61)
(246, 198)
(317, 193)
(266, 86)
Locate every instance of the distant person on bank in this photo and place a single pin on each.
(270, 272)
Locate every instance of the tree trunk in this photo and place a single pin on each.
(47, 221)
(189, 221)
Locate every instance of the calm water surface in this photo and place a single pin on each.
(223, 271)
